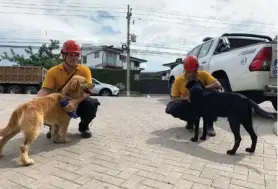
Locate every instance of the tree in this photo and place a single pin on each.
(45, 56)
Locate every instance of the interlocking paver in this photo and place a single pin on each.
(136, 145)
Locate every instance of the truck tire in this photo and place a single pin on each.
(2, 89)
(14, 89)
(31, 90)
(225, 85)
(274, 103)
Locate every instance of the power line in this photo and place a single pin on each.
(57, 9)
(139, 18)
(196, 16)
(205, 21)
(189, 17)
(145, 9)
(189, 24)
(170, 41)
(136, 7)
(32, 3)
(136, 51)
(48, 14)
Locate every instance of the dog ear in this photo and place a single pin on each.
(74, 84)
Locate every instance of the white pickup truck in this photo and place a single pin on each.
(243, 63)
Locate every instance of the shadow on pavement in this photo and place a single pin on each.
(261, 125)
(178, 139)
(10, 157)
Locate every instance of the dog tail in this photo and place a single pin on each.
(12, 125)
(260, 111)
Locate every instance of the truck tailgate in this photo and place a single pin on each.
(22, 74)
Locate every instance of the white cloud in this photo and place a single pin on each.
(175, 25)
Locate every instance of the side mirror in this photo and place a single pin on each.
(226, 42)
(223, 45)
(179, 60)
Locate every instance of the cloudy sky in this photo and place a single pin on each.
(165, 29)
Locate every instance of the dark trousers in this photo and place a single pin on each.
(183, 110)
(87, 110)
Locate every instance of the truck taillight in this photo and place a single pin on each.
(262, 61)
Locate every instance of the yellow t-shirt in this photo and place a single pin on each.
(179, 89)
(56, 76)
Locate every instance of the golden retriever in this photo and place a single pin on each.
(30, 116)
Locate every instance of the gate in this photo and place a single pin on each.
(154, 86)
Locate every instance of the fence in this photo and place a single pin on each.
(154, 86)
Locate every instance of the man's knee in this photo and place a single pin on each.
(178, 110)
(88, 108)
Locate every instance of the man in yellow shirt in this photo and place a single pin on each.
(180, 94)
(58, 75)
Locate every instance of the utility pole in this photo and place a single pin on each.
(129, 14)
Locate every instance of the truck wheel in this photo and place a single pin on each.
(1, 89)
(274, 103)
(225, 85)
(14, 89)
(31, 90)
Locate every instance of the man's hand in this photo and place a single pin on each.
(214, 85)
(86, 95)
(72, 106)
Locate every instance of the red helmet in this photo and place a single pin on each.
(191, 63)
(71, 46)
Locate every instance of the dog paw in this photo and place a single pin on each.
(231, 152)
(194, 139)
(28, 162)
(250, 150)
(203, 137)
(66, 140)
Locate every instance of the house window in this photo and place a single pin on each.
(123, 58)
(111, 58)
(96, 54)
(84, 59)
(137, 64)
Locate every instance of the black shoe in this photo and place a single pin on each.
(86, 134)
(211, 132)
(84, 130)
(48, 135)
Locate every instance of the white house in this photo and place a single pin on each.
(107, 57)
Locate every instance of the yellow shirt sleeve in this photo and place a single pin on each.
(208, 78)
(49, 80)
(87, 74)
(175, 89)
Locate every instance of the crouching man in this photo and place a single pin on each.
(58, 76)
(179, 107)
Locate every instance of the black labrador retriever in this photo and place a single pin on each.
(211, 104)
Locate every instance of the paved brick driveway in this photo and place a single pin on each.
(139, 146)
